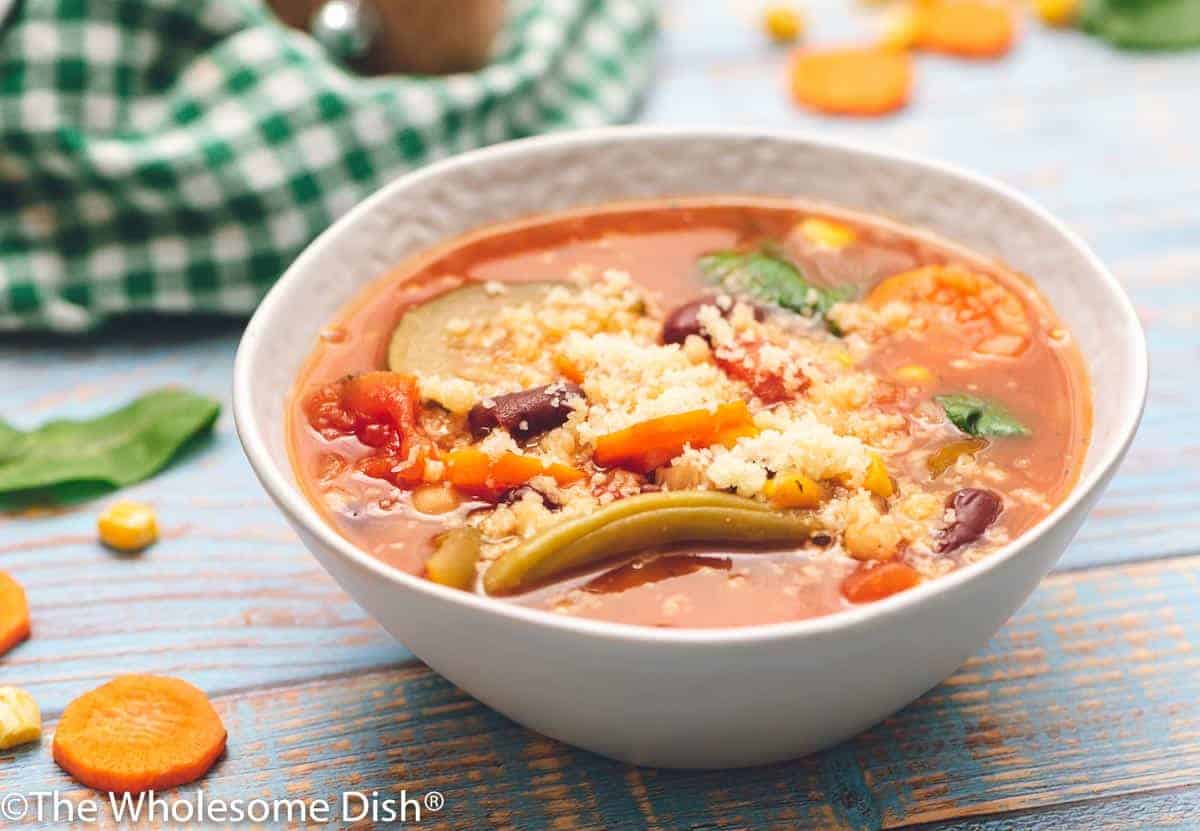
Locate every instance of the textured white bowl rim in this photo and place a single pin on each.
(301, 512)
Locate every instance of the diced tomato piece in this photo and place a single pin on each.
(380, 409)
(868, 584)
(770, 386)
(380, 400)
(326, 413)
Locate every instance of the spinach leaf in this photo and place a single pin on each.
(1144, 24)
(771, 278)
(978, 417)
(69, 459)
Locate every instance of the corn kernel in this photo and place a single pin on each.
(1056, 12)
(914, 374)
(128, 526)
(20, 719)
(900, 29)
(844, 358)
(794, 490)
(826, 233)
(783, 24)
(878, 481)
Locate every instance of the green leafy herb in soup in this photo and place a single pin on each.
(706, 412)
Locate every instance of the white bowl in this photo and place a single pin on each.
(691, 698)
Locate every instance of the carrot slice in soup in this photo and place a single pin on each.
(870, 584)
(477, 473)
(14, 613)
(651, 444)
(856, 81)
(139, 733)
(568, 369)
(967, 28)
(976, 308)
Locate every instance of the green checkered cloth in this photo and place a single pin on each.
(174, 156)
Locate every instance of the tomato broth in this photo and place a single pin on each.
(701, 412)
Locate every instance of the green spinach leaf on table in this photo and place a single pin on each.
(1144, 24)
(66, 459)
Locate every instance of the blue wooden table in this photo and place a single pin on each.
(1082, 712)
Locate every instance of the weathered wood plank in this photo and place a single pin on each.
(227, 596)
(1172, 809)
(1089, 693)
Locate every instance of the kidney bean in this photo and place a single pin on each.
(685, 320)
(524, 414)
(974, 510)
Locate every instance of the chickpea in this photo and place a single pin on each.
(435, 499)
(874, 541)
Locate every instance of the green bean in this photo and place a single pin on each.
(453, 564)
(641, 522)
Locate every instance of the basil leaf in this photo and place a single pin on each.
(1144, 24)
(771, 278)
(73, 459)
(977, 417)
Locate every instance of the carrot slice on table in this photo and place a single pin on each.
(870, 584)
(967, 28)
(854, 81)
(139, 733)
(14, 613)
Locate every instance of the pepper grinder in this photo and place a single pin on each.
(425, 37)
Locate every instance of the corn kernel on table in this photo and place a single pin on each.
(1082, 712)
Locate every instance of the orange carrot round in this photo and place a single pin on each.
(875, 583)
(854, 81)
(472, 471)
(650, 444)
(14, 613)
(967, 28)
(139, 733)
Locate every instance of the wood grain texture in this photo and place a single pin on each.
(1101, 659)
(227, 597)
(1080, 714)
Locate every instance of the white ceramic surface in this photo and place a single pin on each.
(691, 698)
